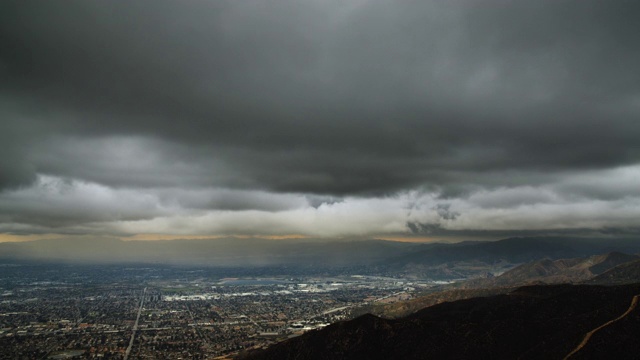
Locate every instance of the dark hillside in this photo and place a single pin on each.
(536, 322)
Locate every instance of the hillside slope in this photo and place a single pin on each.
(535, 322)
(626, 273)
(559, 271)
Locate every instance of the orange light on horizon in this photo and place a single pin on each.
(422, 239)
(169, 237)
(165, 237)
(30, 237)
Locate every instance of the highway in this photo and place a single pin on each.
(135, 326)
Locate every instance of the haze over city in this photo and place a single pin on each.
(404, 120)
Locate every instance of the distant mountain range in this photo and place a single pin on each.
(437, 261)
(559, 271)
(535, 322)
(613, 268)
(450, 259)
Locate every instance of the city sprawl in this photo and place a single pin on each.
(111, 312)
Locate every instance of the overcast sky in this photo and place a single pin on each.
(319, 118)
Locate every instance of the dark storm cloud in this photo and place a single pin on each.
(317, 97)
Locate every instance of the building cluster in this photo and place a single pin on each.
(92, 314)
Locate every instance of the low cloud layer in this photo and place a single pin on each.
(321, 118)
(53, 205)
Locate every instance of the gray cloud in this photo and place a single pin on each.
(242, 104)
(444, 211)
(57, 203)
